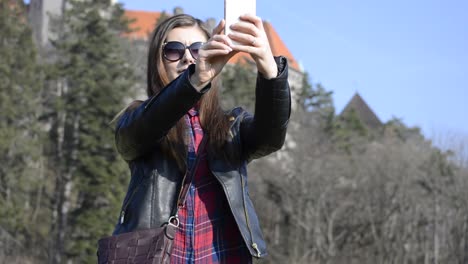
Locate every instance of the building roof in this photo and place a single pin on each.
(278, 47)
(144, 22)
(363, 111)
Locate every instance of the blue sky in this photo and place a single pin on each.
(407, 59)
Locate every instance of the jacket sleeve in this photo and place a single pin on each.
(265, 132)
(138, 131)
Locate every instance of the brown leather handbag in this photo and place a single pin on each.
(148, 246)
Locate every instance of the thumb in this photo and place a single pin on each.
(219, 29)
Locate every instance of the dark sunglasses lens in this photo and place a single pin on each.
(174, 51)
(194, 48)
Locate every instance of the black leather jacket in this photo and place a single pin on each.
(155, 180)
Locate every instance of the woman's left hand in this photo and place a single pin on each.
(252, 38)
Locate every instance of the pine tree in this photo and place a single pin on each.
(238, 86)
(316, 99)
(21, 172)
(164, 15)
(94, 80)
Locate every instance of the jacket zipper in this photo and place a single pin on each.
(254, 245)
(122, 213)
(124, 208)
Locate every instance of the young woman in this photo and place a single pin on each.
(160, 139)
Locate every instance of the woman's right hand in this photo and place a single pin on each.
(212, 57)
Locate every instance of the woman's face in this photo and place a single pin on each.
(186, 36)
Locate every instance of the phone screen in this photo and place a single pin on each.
(235, 8)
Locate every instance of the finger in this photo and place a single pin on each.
(219, 28)
(243, 48)
(245, 27)
(217, 44)
(223, 38)
(243, 38)
(231, 54)
(214, 52)
(257, 21)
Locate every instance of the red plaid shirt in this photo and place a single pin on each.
(207, 232)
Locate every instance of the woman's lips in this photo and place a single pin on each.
(181, 70)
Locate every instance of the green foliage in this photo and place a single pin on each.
(238, 86)
(21, 177)
(97, 79)
(315, 99)
(396, 127)
(161, 18)
(348, 131)
(352, 123)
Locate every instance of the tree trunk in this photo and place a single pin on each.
(58, 220)
(65, 153)
(465, 242)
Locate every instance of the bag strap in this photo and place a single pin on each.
(187, 180)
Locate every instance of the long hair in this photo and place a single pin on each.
(212, 117)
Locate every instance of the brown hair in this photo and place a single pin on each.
(212, 116)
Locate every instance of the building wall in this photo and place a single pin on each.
(295, 82)
(40, 13)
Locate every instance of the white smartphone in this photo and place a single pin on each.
(233, 9)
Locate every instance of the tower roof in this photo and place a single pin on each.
(363, 111)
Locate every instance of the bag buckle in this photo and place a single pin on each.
(174, 221)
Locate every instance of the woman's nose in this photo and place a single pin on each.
(188, 57)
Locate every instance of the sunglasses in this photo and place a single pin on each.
(174, 50)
